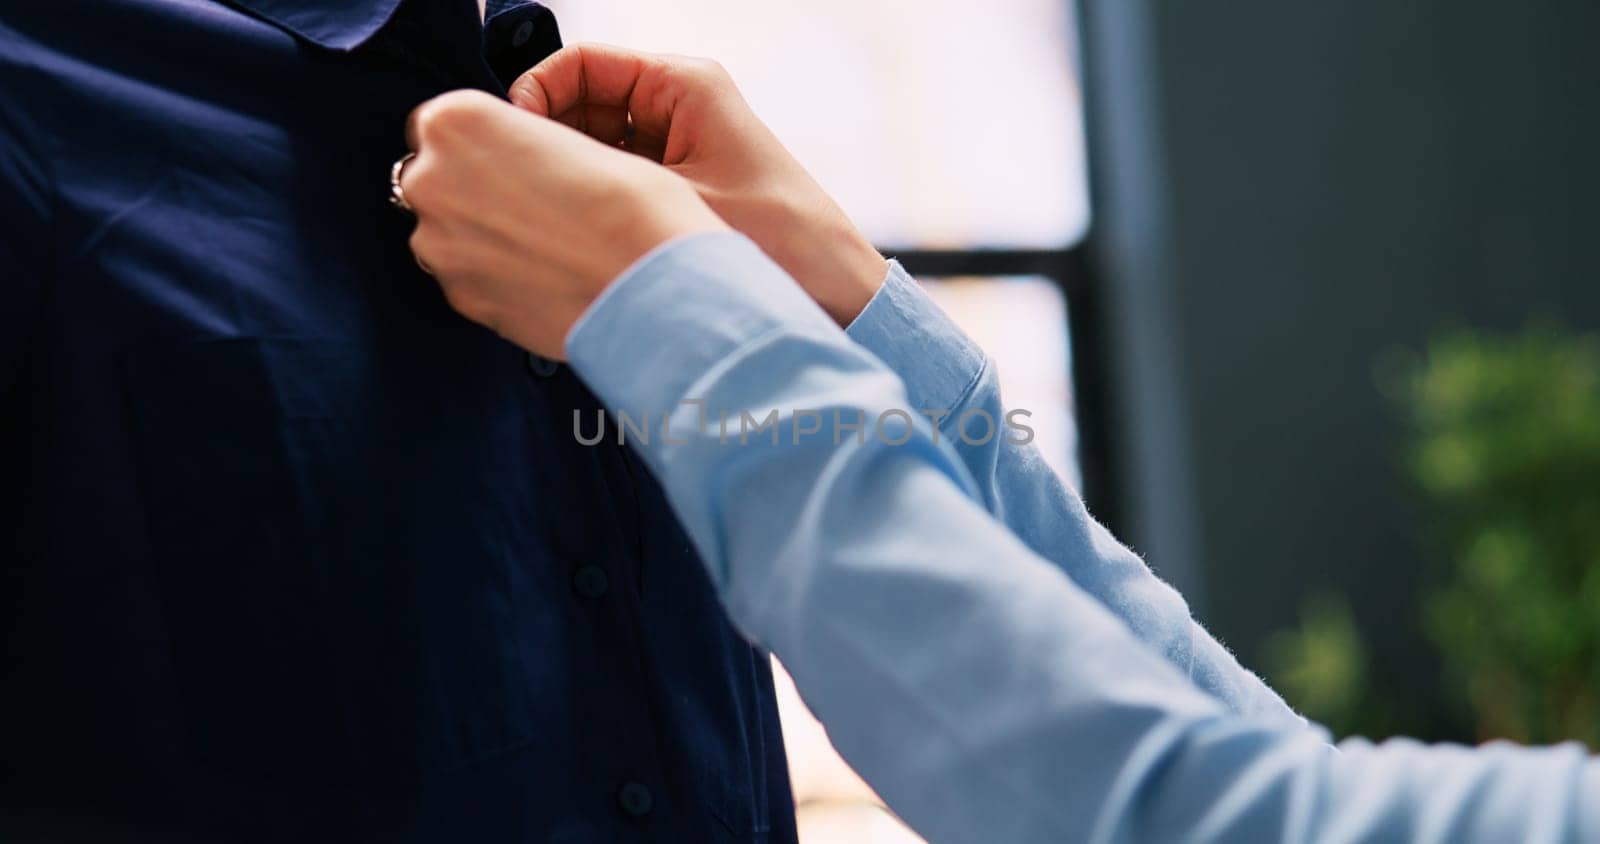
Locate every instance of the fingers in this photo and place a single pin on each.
(649, 146)
(441, 128)
(425, 242)
(592, 86)
(415, 172)
(595, 74)
(609, 125)
(411, 128)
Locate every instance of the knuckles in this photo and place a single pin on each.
(466, 301)
(706, 71)
(439, 130)
(417, 180)
(442, 255)
(452, 269)
(423, 247)
(451, 118)
(692, 76)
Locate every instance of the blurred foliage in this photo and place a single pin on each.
(1320, 667)
(1505, 447)
(1508, 453)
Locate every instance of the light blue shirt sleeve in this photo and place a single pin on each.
(948, 376)
(986, 696)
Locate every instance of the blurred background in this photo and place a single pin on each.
(1301, 295)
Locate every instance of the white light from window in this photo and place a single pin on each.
(935, 123)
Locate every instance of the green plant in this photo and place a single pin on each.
(1507, 452)
(1320, 667)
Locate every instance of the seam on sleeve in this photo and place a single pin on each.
(965, 395)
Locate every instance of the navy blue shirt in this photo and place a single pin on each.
(288, 550)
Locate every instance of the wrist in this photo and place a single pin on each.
(831, 259)
(660, 218)
(860, 272)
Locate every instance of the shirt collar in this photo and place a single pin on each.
(336, 25)
(495, 7)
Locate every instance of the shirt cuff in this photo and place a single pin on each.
(906, 330)
(678, 311)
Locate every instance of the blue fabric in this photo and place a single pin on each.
(985, 694)
(945, 371)
(289, 551)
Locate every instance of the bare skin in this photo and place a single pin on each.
(524, 249)
(612, 153)
(688, 115)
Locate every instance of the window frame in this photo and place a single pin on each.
(1069, 268)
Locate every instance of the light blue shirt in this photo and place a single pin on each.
(984, 654)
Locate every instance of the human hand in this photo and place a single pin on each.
(688, 115)
(524, 221)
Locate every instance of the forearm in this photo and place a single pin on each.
(948, 375)
(984, 695)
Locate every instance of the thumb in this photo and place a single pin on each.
(580, 75)
(527, 94)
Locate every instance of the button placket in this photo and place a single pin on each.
(591, 581)
(523, 33)
(635, 799)
(517, 39)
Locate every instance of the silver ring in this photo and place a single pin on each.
(397, 194)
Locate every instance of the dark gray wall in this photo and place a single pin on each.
(1286, 191)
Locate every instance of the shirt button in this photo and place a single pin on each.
(523, 33)
(591, 582)
(635, 799)
(542, 367)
